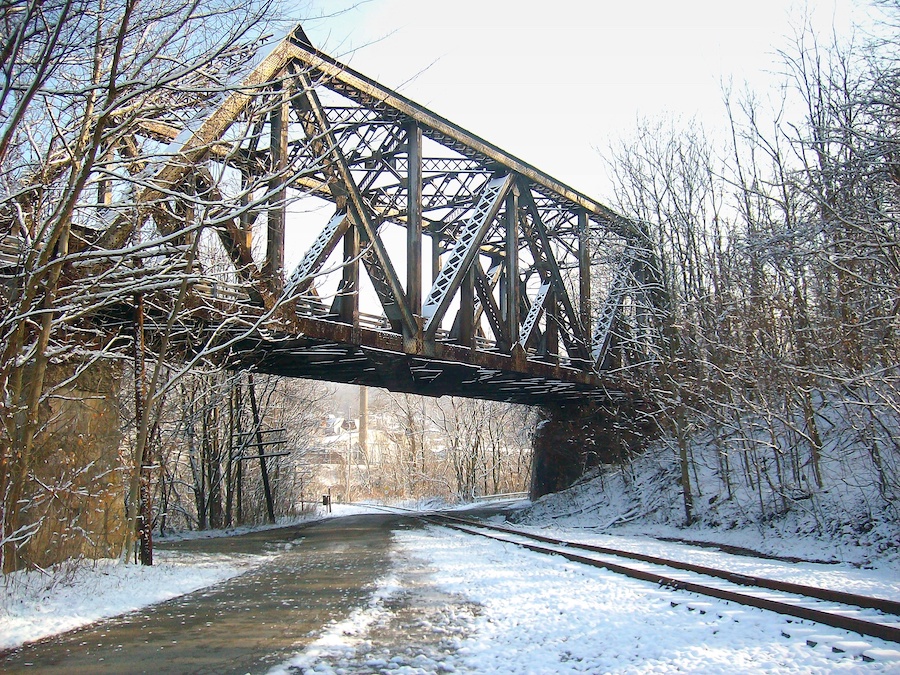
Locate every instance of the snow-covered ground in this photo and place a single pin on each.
(33, 606)
(539, 615)
(508, 610)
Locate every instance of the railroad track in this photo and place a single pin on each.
(873, 617)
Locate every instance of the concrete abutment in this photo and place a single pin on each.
(74, 494)
(572, 439)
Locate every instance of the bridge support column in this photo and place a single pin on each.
(573, 439)
(74, 504)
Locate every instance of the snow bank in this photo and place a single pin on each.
(753, 488)
(32, 606)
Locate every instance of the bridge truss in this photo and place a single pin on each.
(440, 265)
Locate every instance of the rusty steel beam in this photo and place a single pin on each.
(359, 209)
(276, 209)
(332, 351)
(414, 218)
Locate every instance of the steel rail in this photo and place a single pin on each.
(887, 632)
(881, 604)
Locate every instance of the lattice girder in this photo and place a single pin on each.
(464, 252)
(303, 275)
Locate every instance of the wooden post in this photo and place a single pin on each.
(239, 479)
(229, 463)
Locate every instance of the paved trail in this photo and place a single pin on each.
(245, 625)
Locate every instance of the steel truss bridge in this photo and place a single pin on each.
(532, 294)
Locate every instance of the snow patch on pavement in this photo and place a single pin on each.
(341, 640)
(33, 606)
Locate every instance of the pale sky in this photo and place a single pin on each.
(555, 82)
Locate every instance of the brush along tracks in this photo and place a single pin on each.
(829, 607)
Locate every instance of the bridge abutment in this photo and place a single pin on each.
(74, 492)
(572, 439)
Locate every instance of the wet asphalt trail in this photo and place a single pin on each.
(245, 625)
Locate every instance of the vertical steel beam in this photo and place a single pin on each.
(552, 333)
(245, 220)
(278, 135)
(435, 256)
(467, 308)
(104, 186)
(584, 269)
(414, 220)
(348, 291)
(511, 290)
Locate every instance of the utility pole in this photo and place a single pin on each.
(349, 459)
(257, 425)
(364, 421)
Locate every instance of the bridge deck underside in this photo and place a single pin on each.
(353, 355)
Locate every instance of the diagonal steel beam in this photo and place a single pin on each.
(302, 276)
(484, 287)
(359, 210)
(534, 313)
(573, 332)
(602, 336)
(460, 260)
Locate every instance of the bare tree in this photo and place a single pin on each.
(83, 82)
(779, 264)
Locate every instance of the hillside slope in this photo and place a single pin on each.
(754, 486)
